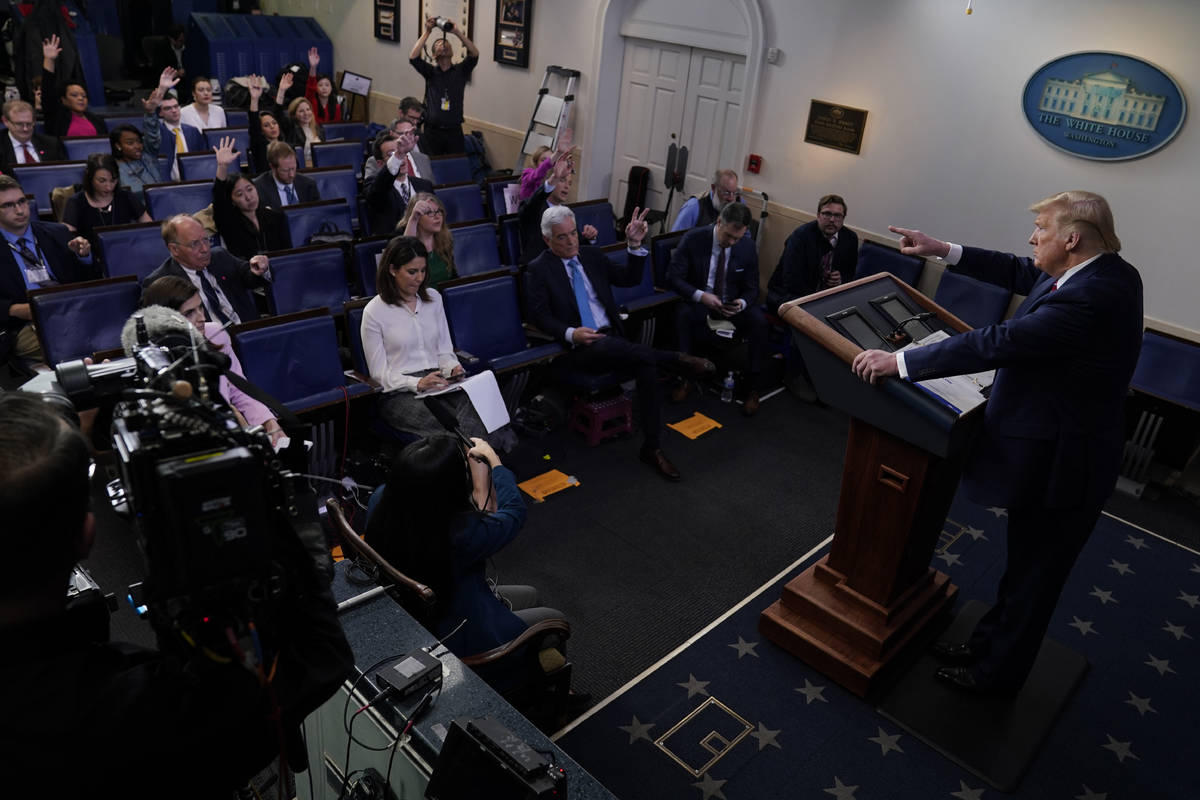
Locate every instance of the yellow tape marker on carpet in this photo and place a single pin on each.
(695, 426)
(546, 484)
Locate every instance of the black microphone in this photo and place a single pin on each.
(899, 335)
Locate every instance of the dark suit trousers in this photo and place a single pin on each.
(1043, 544)
(615, 352)
(691, 325)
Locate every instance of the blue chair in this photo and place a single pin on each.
(77, 319)
(40, 180)
(485, 320)
(124, 119)
(598, 213)
(350, 131)
(80, 147)
(235, 119)
(451, 169)
(475, 249)
(874, 257)
(1168, 368)
(354, 315)
(462, 201)
(510, 238)
(165, 200)
(975, 302)
(366, 255)
(494, 189)
(661, 248)
(295, 358)
(643, 295)
(335, 182)
(136, 249)
(308, 277)
(305, 219)
(241, 140)
(339, 154)
(197, 166)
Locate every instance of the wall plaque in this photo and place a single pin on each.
(839, 127)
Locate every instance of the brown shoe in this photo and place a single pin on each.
(699, 367)
(658, 459)
(750, 405)
(680, 391)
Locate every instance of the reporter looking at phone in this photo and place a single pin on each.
(715, 270)
(445, 84)
(406, 340)
(86, 717)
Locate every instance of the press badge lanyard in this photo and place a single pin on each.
(36, 270)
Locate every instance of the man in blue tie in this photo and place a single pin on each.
(569, 296)
(282, 185)
(1053, 431)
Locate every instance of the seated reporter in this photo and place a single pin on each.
(135, 720)
(101, 202)
(433, 523)
(179, 294)
(406, 340)
(425, 220)
(247, 227)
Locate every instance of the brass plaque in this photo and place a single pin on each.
(839, 127)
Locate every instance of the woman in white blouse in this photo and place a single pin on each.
(406, 340)
(201, 113)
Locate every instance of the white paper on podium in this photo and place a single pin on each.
(960, 392)
(484, 394)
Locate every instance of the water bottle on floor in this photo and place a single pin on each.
(727, 388)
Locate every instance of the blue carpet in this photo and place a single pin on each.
(733, 716)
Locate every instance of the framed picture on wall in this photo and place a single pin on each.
(387, 20)
(514, 20)
(460, 12)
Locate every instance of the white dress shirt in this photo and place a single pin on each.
(399, 341)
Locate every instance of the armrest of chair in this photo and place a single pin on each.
(355, 375)
(537, 630)
(359, 545)
(534, 334)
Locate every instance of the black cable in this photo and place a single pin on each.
(427, 702)
(346, 761)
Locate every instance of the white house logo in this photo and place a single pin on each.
(1104, 106)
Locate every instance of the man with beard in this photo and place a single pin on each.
(818, 255)
(703, 209)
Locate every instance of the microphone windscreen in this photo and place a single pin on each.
(162, 324)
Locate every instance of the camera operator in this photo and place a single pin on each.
(88, 717)
(444, 86)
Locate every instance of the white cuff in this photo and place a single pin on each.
(900, 365)
(954, 255)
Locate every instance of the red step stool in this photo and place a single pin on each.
(600, 418)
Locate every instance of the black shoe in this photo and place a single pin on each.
(680, 391)
(960, 653)
(696, 367)
(750, 405)
(965, 680)
(656, 458)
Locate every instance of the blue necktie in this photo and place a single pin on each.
(586, 319)
(291, 195)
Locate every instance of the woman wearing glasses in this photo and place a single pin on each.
(425, 220)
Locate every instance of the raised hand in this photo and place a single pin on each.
(150, 104)
(255, 87)
(637, 228)
(168, 79)
(565, 140)
(226, 154)
(51, 48)
(314, 59)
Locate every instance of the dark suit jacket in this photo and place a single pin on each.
(689, 266)
(1054, 423)
(48, 148)
(52, 238)
(268, 195)
(551, 300)
(192, 136)
(385, 207)
(233, 275)
(799, 269)
(58, 116)
(529, 219)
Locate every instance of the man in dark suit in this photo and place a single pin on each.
(33, 255)
(818, 255)
(393, 187)
(21, 145)
(553, 192)
(176, 136)
(282, 185)
(224, 281)
(715, 270)
(569, 296)
(1051, 444)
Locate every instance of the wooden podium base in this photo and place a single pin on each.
(848, 637)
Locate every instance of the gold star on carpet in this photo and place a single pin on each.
(765, 737)
(1161, 664)
(710, 787)
(1121, 568)
(694, 687)
(811, 692)
(887, 742)
(999, 512)
(966, 792)
(745, 648)
(1178, 631)
(1104, 595)
(1120, 749)
(1192, 600)
(1088, 794)
(1142, 704)
(1137, 542)
(1084, 626)
(637, 730)
(840, 790)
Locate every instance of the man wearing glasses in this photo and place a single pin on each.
(395, 184)
(33, 255)
(21, 145)
(818, 255)
(224, 281)
(703, 209)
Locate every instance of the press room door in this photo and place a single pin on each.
(668, 90)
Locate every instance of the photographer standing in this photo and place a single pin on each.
(87, 717)
(444, 86)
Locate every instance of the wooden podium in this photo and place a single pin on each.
(851, 614)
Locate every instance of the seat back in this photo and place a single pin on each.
(874, 257)
(1169, 368)
(77, 319)
(451, 169)
(598, 213)
(475, 248)
(335, 182)
(509, 226)
(136, 249)
(241, 139)
(165, 200)
(494, 189)
(124, 119)
(197, 166)
(293, 357)
(661, 248)
(350, 131)
(462, 201)
(338, 154)
(308, 277)
(235, 119)
(305, 219)
(41, 179)
(618, 255)
(354, 316)
(366, 258)
(485, 317)
(80, 147)
(975, 302)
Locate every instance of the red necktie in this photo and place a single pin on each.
(29, 157)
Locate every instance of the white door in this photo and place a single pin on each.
(676, 94)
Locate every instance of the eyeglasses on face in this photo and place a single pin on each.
(11, 204)
(831, 215)
(196, 244)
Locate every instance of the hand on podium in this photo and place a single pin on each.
(872, 365)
